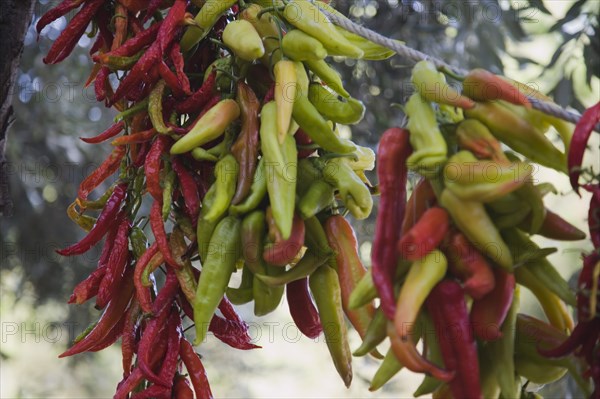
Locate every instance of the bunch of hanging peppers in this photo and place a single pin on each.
(226, 149)
(227, 126)
(449, 263)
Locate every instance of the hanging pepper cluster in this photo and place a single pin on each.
(227, 126)
(448, 263)
(227, 133)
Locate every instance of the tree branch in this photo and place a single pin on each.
(15, 16)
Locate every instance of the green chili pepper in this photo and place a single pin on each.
(216, 272)
(317, 128)
(155, 108)
(168, 187)
(266, 298)
(471, 179)
(304, 268)
(281, 173)
(474, 136)
(472, 219)
(208, 15)
(122, 63)
(376, 333)
(226, 172)
(353, 192)
(315, 238)
(300, 46)
(347, 112)
(364, 292)
(325, 287)
(242, 294)
(258, 190)
(538, 265)
(205, 228)
(502, 351)
(241, 37)
(139, 242)
(432, 86)
(200, 154)
(253, 233)
(388, 369)
(308, 174)
(426, 139)
(307, 17)
(328, 75)
(434, 355)
(319, 196)
(518, 134)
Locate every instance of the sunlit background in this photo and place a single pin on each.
(552, 45)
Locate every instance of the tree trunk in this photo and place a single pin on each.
(15, 16)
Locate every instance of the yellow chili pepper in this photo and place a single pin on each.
(285, 95)
(243, 39)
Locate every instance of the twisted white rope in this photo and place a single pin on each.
(416, 56)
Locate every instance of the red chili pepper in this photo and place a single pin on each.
(270, 95)
(169, 363)
(112, 337)
(421, 198)
(182, 388)
(105, 135)
(167, 293)
(171, 24)
(196, 370)
(139, 137)
(66, 41)
(105, 221)
(283, 252)
(55, 13)
(117, 261)
(303, 139)
(394, 148)
(200, 98)
(426, 235)
(149, 338)
(142, 292)
(189, 189)
(302, 308)
(132, 45)
(555, 227)
(580, 334)
(152, 166)
(158, 228)
(582, 133)
(153, 392)
(130, 382)
(140, 73)
(110, 318)
(446, 304)
(350, 270)
(489, 312)
(102, 19)
(151, 8)
(128, 340)
(245, 148)
(88, 288)
(97, 46)
(233, 332)
(106, 169)
(468, 265)
(585, 283)
(179, 63)
(482, 85)
(170, 79)
(594, 215)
